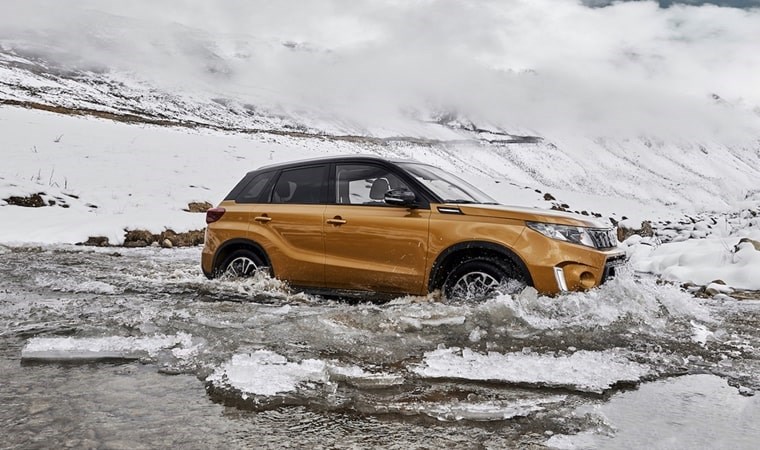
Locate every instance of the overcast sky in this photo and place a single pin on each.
(630, 67)
(667, 3)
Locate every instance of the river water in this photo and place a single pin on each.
(134, 348)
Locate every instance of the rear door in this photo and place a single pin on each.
(370, 245)
(290, 226)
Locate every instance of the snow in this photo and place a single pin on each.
(585, 371)
(136, 177)
(703, 261)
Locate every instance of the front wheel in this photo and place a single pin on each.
(479, 278)
(241, 263)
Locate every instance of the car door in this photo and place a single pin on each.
(291, 225)
(370, 245)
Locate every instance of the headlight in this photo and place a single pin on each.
(576, 235)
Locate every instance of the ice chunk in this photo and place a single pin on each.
(267, 373)
(585, 371)
(109, 347)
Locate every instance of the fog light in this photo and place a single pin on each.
(587, 280)
(559, 274)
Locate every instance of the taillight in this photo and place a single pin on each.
(214, 214)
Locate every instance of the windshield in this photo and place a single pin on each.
(450, 188)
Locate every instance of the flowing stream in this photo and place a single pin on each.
(134, 348)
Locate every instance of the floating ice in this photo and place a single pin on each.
(485, 411)
(585, 371)
(267, 373)
(70, 348)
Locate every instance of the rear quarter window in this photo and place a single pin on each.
(255, 191)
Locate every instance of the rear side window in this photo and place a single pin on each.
(301, 186)
(252, 193)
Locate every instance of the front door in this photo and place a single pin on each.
(370, 245)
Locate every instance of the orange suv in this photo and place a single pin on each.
(352, 225)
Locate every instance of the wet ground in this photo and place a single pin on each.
(116, 348)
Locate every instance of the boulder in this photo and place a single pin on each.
(139, 238)
(187, 239)
(198, 207)
(32, 201)
(96, 241)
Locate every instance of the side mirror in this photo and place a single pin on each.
(400, 197)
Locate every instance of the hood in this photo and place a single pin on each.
(529, 214)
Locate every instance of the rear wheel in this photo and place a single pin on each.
(241, 263)
(480, 278)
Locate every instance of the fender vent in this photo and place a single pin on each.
(449, 210)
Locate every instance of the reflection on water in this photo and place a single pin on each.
(131, 406)
(695, 411)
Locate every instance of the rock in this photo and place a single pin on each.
(198, 207)
(96, 241)
(549, 197)
(558, 207)
(137, 243)
(139, 238)
(187, 239)
(166, 243)
(32, 201)
(624, 232)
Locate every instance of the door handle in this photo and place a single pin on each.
(337, 220)
(262, 219)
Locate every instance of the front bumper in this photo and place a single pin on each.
(558, 266)
(574, 276)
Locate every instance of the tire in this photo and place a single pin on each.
(479, 278)
(240, 264)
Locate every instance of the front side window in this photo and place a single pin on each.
(363, 184)
(301, 186)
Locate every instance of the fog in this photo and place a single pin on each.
(532, 65)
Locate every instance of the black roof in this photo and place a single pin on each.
(332, 159)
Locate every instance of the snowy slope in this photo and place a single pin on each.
(122, 116)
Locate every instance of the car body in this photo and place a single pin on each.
(360, 224)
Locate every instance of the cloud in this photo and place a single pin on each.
(629, 67)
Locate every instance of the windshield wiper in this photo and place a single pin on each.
(460, 200)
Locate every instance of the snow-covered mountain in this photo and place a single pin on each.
(119, 116)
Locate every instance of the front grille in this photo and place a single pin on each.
(610, 267)
(603, 237)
